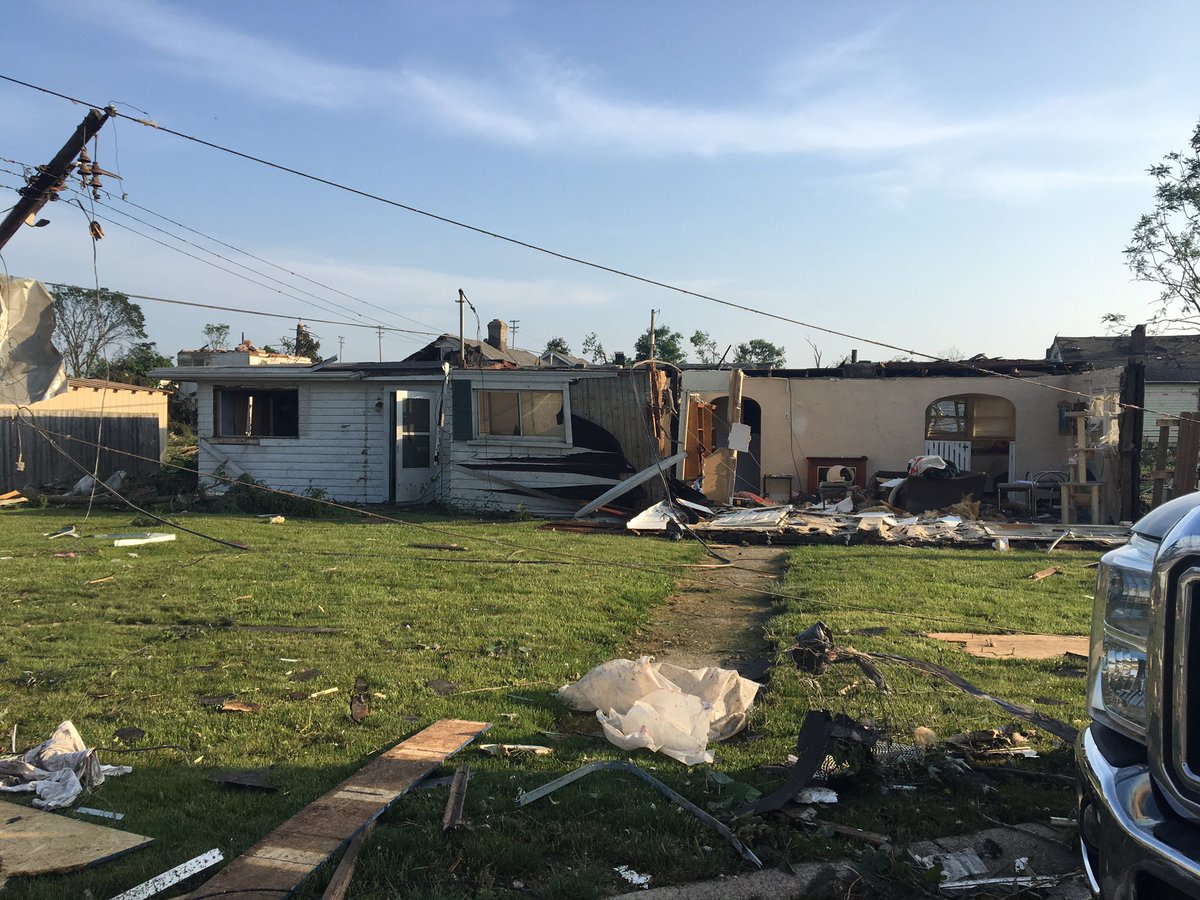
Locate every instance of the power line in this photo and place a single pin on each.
(257, 312)
(232, 262)
(274, 265)
(253, 312)
(176, 237)
(566, 257)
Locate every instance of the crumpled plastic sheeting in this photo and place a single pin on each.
(662, 707)
(31, 368)
(58, 769)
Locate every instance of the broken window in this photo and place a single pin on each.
(238, 412)
(537, 414)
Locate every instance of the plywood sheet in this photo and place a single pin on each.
(1015, 646)
(33, 842)
(276, 865)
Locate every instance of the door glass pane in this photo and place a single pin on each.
(415, 451)
(414, 415)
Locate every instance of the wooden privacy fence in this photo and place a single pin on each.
(76, 436)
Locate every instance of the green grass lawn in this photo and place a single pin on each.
(141, 649)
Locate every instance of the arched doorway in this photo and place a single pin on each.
(984, 426)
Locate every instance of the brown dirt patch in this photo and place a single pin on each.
(719, 618)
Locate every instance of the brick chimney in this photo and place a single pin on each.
(498, 334)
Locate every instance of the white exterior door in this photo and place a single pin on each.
(414, 446)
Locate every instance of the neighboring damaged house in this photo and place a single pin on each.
(50, 425)
(492, 353)
(873, 417)
(128, 419)
(244, 354)
(1172, 368)
(495, 437)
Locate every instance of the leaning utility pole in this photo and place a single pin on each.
(50, 178)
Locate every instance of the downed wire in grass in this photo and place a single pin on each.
(1056, 727)
(620, 765)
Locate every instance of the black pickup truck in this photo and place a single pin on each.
(1139, 760)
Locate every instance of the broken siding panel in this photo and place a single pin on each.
(619, 405)
(472, 462)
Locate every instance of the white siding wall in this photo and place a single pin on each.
(343, 447)
(1168, 400)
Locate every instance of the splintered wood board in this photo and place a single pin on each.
(34, 842)
(1015, 646)
(276, 865)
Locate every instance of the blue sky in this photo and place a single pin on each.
(938, 176)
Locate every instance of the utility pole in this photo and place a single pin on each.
(50, 178)
(379, 333)
(462, 341)
(652, 313)
(512, 331)
(341, 347)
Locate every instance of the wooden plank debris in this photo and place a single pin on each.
(1046, 573)
(453, 816)
(1014, 646)
(277, 864)
(339, 884)
(40, 843)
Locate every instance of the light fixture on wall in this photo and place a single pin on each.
(378, 406)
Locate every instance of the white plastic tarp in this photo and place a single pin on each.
(664, 708)
(58, 769)
(31, 369)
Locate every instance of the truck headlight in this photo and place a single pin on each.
(1127, 600)
(1123, 682)
(1120, 627)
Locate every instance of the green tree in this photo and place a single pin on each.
(759, 352)
(133, 365)
(557, 345)
(91, 325)
(706, 348)
(593, 349)
(1165, 249)
(668, 345)
(302, 343)
(216, 337)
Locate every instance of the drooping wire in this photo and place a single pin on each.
(566, 257)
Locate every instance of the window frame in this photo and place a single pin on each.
(220, 398)
(479, 436)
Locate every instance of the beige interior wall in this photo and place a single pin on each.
(884, 418)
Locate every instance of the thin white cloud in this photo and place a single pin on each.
(547, 103)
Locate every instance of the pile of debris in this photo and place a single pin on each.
(958, 525)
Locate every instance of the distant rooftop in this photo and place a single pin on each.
(1168, 357)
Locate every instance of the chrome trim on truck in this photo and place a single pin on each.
(1176, 578)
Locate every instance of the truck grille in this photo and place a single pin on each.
(1181, 671)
